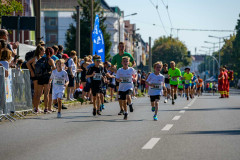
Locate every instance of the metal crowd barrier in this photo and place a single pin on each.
(15, 93)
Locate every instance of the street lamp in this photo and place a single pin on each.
(119, 31)
(219, 59)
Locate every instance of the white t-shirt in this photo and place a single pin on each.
(5, 65)
(59, 79)
(158, 81)
(126, 77)
(72, 65)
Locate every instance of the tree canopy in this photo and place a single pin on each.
(85, 29)
(168, 49)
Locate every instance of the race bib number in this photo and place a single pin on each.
(174, 79)
(157, 86)
(97, 76)
(59, 81)
(126, 79)
(187, 81)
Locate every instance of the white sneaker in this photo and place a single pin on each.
(165, 101)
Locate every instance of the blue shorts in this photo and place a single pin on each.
(188, 85)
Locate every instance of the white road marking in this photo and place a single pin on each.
(185, 107)
(151, 143)
(182, 111)
(167, 127)
(176, 118)
(191, 102)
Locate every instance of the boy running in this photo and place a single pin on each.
(96, 74)
(199, 85)
(188, 81)
(174, 74)
(156, 82)
(60, 81)
(167, 80)
(124, 77)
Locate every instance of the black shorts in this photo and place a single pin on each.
(71, 81)
(117, 83)
(199, 88)
(180, 89)
(111, 85)
(123, 94)
(96, 90)
(44, 79)
(83, 79)
(33, 78)
(87, 87)
(153, 98)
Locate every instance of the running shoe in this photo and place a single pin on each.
(175, 96)
(59, 115)
(64, 107)
(173, 102)
(187, 98)
(100, 108)
(165, 101)
(190, 96)
(131, 107)
(153, 109)
(98, 112)
(121, 112)
(105, 101)
(94, 112)
(45, 111)
(125, 116)
(103, 107)
(155, 118)
(55, 105)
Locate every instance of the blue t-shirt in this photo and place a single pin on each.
(194, 80)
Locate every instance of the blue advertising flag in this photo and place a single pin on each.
(98, 40)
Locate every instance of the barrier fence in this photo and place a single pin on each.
(15, 92)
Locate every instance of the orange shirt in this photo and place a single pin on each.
(199, 83)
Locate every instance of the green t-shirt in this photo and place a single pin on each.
(188, 78)
(173, 73)
(117, 59)
(180, 85)
(210, 85)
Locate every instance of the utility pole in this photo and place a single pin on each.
(37, 8)
(78, 32)
(150, 56)
(91, 43)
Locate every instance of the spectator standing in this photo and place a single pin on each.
(5, 58)
(60, 52)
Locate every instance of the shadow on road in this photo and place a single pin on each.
(223, 132)
(112, 120)
(205, 109)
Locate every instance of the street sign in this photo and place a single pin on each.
(25, 23)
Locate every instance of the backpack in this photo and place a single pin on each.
(41, 67)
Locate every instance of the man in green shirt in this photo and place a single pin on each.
(174, 74)
(188, 81)
(117, 59)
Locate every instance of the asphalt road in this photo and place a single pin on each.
(205, 128)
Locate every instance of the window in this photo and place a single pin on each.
(52, 21)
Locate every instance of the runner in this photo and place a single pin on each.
(117, 59)
(174, 74)
(199, 85)
(156, 82)
(180, 87)
(60, 81)
(124, 77)
(188, 82)
(193, 87)
(96, 74)
(166, 81)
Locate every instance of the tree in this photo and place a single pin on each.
(8, 7)
(236, 50)
(85, 25)
(168, 49)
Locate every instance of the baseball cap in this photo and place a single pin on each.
(64, 56)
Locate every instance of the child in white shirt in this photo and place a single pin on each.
(124, 77)
(60, 81)
(156, 82)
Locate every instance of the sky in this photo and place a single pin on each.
(184, 14)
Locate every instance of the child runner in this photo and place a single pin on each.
(124, 77)
(96, 74)
(156, 82)
(180, 87)
(60, 81)
(188, 82)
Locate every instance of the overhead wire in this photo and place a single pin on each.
(156, 7)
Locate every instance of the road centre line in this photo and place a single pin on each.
(191, 102)
(185, 107)
(151, 143)
(167, 127)
(176, 118)
(182, 111)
